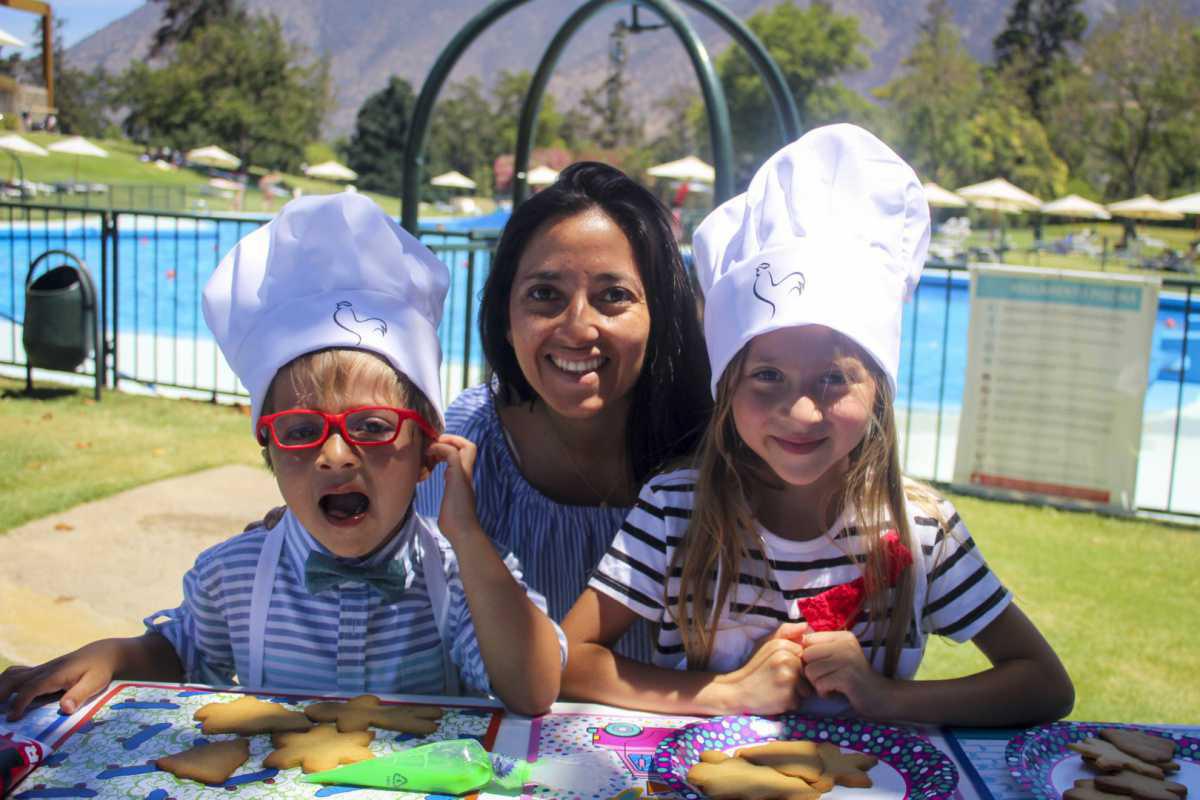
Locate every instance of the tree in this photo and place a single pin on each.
(82, 100)
(509, 94)
(182, 20)
(376, 149)
(235, 83)
(1033, 45)
(609, 121)
(812, 46)
(462, 133)
(1134, 100)
(934, 98)
(1004, 139)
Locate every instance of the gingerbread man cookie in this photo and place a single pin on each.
(798, 759)
(723, 778)
(208, 763)
(1146, 746)
(248, 716)
(1085, 789)
(321, 748)
(363, 711)
(1107, 757)
(846, 768)
(1142, 787)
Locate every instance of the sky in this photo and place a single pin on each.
(82, 17)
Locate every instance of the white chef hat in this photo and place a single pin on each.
(832, 231)
(328, 271)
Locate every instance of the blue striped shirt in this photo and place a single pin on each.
(346, 637)
(558, 545)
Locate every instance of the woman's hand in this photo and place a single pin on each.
(834, 663)
(458, 502)
(773, 680)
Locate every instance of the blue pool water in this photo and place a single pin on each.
(164, 264)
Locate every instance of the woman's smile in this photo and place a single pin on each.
(578, 319)
(577, 366)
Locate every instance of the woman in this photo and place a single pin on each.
(600, 378)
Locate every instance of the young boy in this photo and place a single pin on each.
(329, 316)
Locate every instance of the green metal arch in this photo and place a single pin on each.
(714, 96)
(787, 116)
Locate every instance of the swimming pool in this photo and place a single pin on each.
(164, 262)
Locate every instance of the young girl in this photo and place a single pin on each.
(794, 567)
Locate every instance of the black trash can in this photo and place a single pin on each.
(60, 314)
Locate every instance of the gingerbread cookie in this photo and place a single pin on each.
(1146, 746)
(319, 749)
(798, 759)
(248, 716)
(208, 763)
(1086, 790)
(723, 778)
(363, 711)
(846, 768)
(1106, 757)
(1140, 786)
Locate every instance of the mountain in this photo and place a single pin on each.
(369, 40)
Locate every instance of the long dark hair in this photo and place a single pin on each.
(670, 402)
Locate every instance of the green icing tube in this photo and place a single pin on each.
(455, 767)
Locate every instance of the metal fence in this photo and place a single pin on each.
(151, 268)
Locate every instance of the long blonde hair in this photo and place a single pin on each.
(722, 529)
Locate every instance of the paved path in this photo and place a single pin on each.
(99, 568)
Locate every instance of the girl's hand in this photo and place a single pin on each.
(458, 502)
(772, 681)
(834, 663)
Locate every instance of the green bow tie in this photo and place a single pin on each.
(322, 572)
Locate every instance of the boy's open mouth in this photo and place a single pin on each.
(345, 506)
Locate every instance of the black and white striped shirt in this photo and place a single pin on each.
(957, 595)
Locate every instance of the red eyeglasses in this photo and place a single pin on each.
(302, 428)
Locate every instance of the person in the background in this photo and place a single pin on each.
(794, 567)
(589, 325)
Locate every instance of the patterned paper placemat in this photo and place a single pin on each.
(110, 752)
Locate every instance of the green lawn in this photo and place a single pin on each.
(1020, 242)
(122, 168)
(1116, 597)
(59, 448)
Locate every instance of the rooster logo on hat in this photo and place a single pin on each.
(346, 319)
(779, 289)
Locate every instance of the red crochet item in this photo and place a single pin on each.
(836, 608)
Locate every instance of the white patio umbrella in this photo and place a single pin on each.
(452, 180)
(688, 168)
(19, 144)
(78, 146)
(213, 156)
(1075, 206)
(1143, 207)
(942, 198)
(8, 40)
(999, 195)
(541, 176)
(1187, 204)
(331, 171)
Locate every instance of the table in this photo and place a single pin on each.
(605, 753)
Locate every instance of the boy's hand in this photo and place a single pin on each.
(834, 662)
(458, 501)
(772, 681)
(81, 674)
